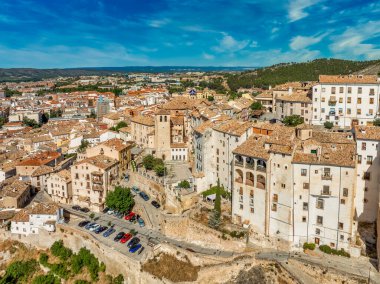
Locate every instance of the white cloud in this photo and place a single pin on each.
(352, 42)
(254, 44)
(229, 44)
(300, 42)
(208, 56)
(158, 23)
(297, 9)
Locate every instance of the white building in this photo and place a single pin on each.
(59, 187)
(368, 168)
(39, 217)
(346, 100)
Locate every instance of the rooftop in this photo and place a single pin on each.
(353, 79)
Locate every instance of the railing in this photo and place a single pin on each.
(250, 165)
(239, 163)
(261, 168)
(326, 176)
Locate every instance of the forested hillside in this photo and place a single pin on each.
(288, 72)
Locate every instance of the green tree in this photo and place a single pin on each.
(148, 162)
(216, 213)
(120, 199)
(121, 124)
(256, 106)
(46, 279)
(83, 145)
(376, 122)
(160, 170)
(118, 279)
(30, 122)
(184, 184)
(20, 271)
(328, 125)
(210, 98)
(293, 120)
(60, 251)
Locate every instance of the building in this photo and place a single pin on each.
(15, 193)
(297, 185)
(346, 100)
(59, 187)
(102, 107)
(368, 168)
(18, 116)
(39, 217)
(92, 179)
(295, 104)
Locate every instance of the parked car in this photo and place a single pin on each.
(126, 238)
(101, 229)
(135, 189)
(89, 225)
(76, 207)
(119, 236)
(83, 223)
(141, 250)
(133, 219)
(84, 210)
(119, 215)
(155, 204)
(135, 248)
(144, 196)
(94, 227)
(133, 242)
(109, 232)
(141, 222)
(105, 210)
(110, 212)
(129, 216)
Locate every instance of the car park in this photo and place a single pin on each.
(76, 207)
(141, 222)
(89, 225)
(119, 236)
(84, 210)
(135, 248)
(130, 215)
(83, 223)
(155, 204)
(133, 242)
(109, 232)
(144, 196)
(125, 238)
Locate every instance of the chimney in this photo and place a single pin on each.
(290, 91)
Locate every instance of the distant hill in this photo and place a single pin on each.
(31, 74)
(307, 71)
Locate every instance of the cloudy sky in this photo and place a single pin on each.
(75, 33)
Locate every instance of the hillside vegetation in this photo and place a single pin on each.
(289, 72)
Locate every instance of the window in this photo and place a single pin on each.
(332, 245)
(341, 237)
(371, 101)
(364, 146)
(283, 185)
(319, 220)
(326, 190)
(359, 159)
(305, 206)
(316, 171)
(369, 160)
(348, 100)
(359, 111)
(348, 111)
(342, 201)
(349, 90)
(252, 210)
(359, 100)
(360, 90)
(367, 176)
(333, 90)
(275, 197)
(345, 192)
(323, 90)
(371, 92)
(304, 219)
(341, 90)
(340, 100)
(274, 207)
(305, 185)
(241, 206)
(340, 226)
(303, 172)
(320, 203)
(317, 231)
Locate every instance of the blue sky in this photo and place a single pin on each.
(74, 33)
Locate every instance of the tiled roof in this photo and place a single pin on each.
(367, 132)
(65, 174)
(233, 127)
(42, 170)
(14, 189)
(145, 120)
(296, 97)
(116, 144)
(100, 161)
(254, 147)
(353, 79)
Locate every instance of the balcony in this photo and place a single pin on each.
(326, 176)
(239, 163)
(249, 182)
(326, 192)
(261, 168)
(250, 165)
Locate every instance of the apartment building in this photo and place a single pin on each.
(92, 179)
(142, 131)
(59, 187)
(346, 100)
(297, 185)
(40, 216)
(298, 103)
(368, 168)
(18, 116)
(15, 193)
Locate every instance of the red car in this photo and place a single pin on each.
(130, 215)
(126, 238)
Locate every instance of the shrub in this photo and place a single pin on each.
(44, 259)
(309, 246)
(328, 125)
(328, 250)
(184, 184)
(118, 279)
(293, 120)
(19, 271)
(46, 279)
(60, 251)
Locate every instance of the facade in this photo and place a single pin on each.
(368, 167)
(346, 100)
(299, 187)
(59, 187)
(18, 116)
(102, 107)
(295, 104)
(92, 179)
(14, 193)
(39, 217)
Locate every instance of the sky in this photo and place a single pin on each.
(86, 33)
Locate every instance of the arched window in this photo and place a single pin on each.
(260, 182)
(239, 176)
(249, 179)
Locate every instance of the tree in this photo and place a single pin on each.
(83, 145)
(376, 122)
(256, 106)
(160, 170)
(210, 98)
(121, 124)
(30, 122)
(19, 271)
(46, 279)
(216, 213)
(293, 120)
(60, 251)
(184, 184)
(328, 125)
(148, 162)
(120, 199)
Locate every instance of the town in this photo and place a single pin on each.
(139, 161)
